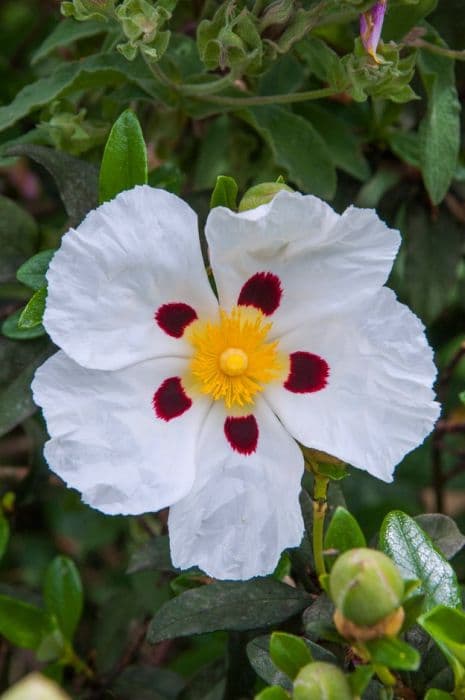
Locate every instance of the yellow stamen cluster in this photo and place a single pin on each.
(232, 360)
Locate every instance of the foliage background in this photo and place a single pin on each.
(366, 151)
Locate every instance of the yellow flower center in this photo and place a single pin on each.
(232, 360)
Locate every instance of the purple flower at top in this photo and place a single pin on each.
(371, 24)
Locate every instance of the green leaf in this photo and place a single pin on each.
(18, 363)
(96, 71)
(417, 558)
(443, 531)
(24, 625)
(149, 682)
(4, 534)
(289, 653)
(299, 148)
(447, 627)
(343, 532)
(434, 694)
(462, 397)
(225, 193)
(11, 329)
(274, 692)
(393, 653)
(440, 128)
(405, 15)
(359, 679)
(32, 272)
(65, 33)
(32, 314)
(124, 163)
(374, 190)
(258, 652)
(227, 606)
(18, 238)
(152, 556)
(76, 179)
(63, 594)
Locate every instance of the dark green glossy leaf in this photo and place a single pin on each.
(343, 532)
(225, 193)
(417, 558)
(227, 606)
(76, 179)
(32, 272)
(32, 314)
(393, 653)
(124, 163)
(289, 653)
(23, 624)
(63, 594)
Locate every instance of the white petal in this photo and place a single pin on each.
(243, 511)
(106, 440)
(111, 274)
(325, 262)
(378, 404)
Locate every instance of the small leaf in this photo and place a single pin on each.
(447, 627)
(344, 532)
(32, 314)
(227, 606)
(24, 625)
(417, 558)
(32, 272)
(4, 534)
(225, 193)
(359, 679)
(393, 653)
(289, 653)
(63, 594)
(274, 692)
(434, 694)
(124, 163)
(11, 329)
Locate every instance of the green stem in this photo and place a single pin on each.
(80, 666)
(196, 89)
(320, 506)
(384, 675)
(259, 100)
(434, 48)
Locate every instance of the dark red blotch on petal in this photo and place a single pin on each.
(174, 318)
(170, 400)
(242, 434)
(264, 291)
(308, 373)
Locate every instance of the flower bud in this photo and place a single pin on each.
(83, 10)
(276, 14)
(35, 687)
(371, 24)
(261, 194)
(321, 680)
(366, 588)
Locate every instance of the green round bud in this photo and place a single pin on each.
(261, 194)
(321, 680)
(366, 586)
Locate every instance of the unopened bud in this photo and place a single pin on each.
(321, 680)
(261, 194)
(366, 587)
(278, 13)
(371, 24)
(35, 687)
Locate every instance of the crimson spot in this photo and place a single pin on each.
(308, 373)
(242, 434)
(264, 291)
(170, 400)
(174, 318)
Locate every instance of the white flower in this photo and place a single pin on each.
(160, 397)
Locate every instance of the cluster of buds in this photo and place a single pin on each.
(142, 23)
